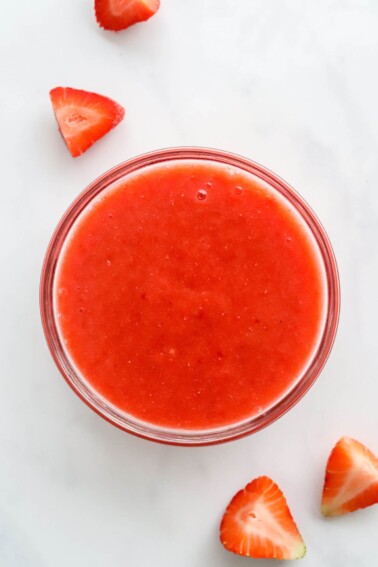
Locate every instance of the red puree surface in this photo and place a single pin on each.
(190, 295)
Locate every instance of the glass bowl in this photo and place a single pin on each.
(147, 430)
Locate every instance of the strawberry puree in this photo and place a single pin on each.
(190, 295)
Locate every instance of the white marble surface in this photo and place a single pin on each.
(290, 83)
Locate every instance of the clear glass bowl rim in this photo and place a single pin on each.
(147, 430)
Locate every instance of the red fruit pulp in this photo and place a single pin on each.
(190, 295)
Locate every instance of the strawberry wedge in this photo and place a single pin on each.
(116, 15)
(351, 479)
(83, 117)
(258, 523)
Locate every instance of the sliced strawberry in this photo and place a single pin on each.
(84, 117)
(258, 523)
(351, 479)
(117, 15)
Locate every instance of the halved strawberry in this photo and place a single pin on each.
(84, 117)
(117, 15)
(258, 523)
(351, 479)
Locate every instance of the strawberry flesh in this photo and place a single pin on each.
(116, 15)
(84, 117)
(258, 523)
(351, 479)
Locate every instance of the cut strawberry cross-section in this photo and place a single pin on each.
(117, 15)
(84, 117)
(351, 479)
(258, 523)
